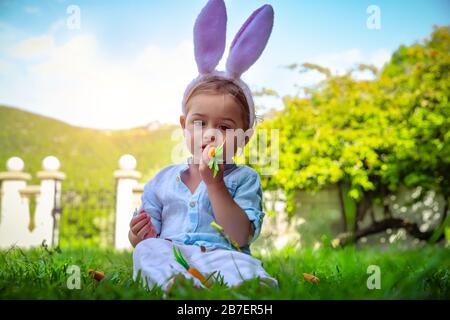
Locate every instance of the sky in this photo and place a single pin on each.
(122, 64)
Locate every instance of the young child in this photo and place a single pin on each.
(182, 200)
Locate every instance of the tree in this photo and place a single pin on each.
(371, 136)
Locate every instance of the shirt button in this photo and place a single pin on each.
(178, 179)
(192, 204)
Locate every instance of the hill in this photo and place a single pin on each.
(88, 156)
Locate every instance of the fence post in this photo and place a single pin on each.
(137, 194)
(14, 216)
(48, 206)
(126, 180)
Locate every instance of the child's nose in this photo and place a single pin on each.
(209, 136)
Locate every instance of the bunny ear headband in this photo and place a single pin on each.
(246, 48)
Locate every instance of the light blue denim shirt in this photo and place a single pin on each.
(185, 217)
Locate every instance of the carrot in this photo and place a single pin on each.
(214, 155)
(226, 236)
(310, 278)
(218, 227)
(211, 152)
(97, 275)
(193, 271)
(197, 274)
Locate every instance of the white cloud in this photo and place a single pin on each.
(71, 60)
(57, 26)
(5, 67)
(380, 57)
(289, 82)
(33, 47)
(76, 83)
(8, 35)
(339, 62)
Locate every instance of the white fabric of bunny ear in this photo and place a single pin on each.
(210, 36)
(250, 41)
(246, 48)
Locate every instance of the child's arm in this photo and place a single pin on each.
(241, 216)
(146, 224)
(141, 228)
(229, 214)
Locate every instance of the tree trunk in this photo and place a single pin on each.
(341, 202)
(390, 223)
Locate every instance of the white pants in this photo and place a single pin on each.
(154, 258)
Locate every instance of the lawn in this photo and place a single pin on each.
(422, 273)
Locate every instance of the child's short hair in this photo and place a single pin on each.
(217, 84)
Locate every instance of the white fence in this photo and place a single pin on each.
(23, 226)
(17, 226)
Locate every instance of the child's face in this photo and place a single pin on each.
(213, 117)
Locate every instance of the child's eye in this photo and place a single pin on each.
(224, 128)
(198, 123)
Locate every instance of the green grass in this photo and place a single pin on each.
(405, 274)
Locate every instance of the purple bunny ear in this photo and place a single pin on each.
(250, 41)
(209, 36)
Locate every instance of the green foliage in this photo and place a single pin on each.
(370, 135)
(87, 219)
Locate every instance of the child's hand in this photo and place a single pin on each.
(206, 173)
(141, 228)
